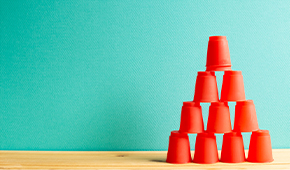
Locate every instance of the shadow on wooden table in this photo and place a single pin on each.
(158, 160)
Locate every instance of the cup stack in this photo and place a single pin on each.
(206, 91)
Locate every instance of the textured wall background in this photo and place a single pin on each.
(112, 75)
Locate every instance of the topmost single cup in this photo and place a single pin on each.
(218, 54)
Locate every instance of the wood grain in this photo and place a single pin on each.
(121, 160)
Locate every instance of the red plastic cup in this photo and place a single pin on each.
(206, 87)
(218, 54)
(205, 149)
(260, 149)
(219, 120)
(233, 148)
(179, 148)
(191, 118)
(233, 86)
(245, 117)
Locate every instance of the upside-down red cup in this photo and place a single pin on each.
(218, 54)
(260, 149)
(205, 149)
(233, 148)
(179, 148)
(245, 117)
(206, 87)
(219, 120)
(233, 86)
(191, 118)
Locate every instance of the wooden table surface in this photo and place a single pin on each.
(121, 160)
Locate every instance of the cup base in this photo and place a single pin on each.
(260, 161)
(219, 68)
(178, 162)
(205, 162)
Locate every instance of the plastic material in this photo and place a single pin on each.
(179, 148)
(260, 149)
(206, 87)
(218, 54)
(219, 120)
(233, 86)
(191, 118)
(205, 149)
(218, 59)
(245, 117)
(233, 148)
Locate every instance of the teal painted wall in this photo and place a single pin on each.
(112, 75)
